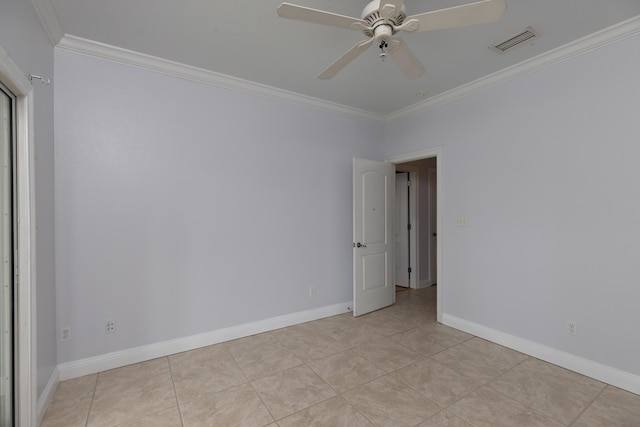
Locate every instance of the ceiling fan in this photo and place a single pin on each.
(382, 19)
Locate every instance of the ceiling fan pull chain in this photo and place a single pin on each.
(383, 52)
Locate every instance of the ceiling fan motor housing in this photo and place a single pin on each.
(381, 28)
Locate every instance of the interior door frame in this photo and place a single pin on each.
(436, 153)
(414, 254)
(25, 374)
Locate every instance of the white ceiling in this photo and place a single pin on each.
(246, 39)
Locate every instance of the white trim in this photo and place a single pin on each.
(414, 219)
(26, 376)
(424, 154)
(49, 20)
(165, 66)
(598, 371)
(117, 359)
(581, 46)
(27, 365)
(432, 173)
(45, 399)
(12, 77)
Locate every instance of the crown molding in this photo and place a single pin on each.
(578, 47)
(49, 20)
(570, 50)
(165, 66)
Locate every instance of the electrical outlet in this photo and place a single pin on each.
(572, 328)
(463, 221)
(65, 334)
(109, 326)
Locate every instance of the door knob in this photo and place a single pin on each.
(360, 245)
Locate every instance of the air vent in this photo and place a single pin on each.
(514, 41)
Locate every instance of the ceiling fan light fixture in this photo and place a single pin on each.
(381, 20)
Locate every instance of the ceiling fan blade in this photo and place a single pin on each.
(306, 14)
(467, 14)
(345, 59)
(405, 58)
(389, 8)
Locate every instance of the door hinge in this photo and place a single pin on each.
(409, 269)
(408, 226)
(16, 274)
(408, 183)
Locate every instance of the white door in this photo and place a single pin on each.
(373, 206)
(402, 230)
(433, 226)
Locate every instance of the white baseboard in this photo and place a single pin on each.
(44, 400)
(118, 359)
(598, 371)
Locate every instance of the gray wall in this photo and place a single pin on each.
(23, 38)
(183, 208)
(545, 168)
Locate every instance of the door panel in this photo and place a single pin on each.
(374, 204)
(374, 273)
(373, 213)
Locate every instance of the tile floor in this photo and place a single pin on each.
(395, 367)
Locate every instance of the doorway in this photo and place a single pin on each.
(403, 231)
(406, 239)
(416, 201)
(427, 225)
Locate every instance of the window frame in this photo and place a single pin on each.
(25, 340)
